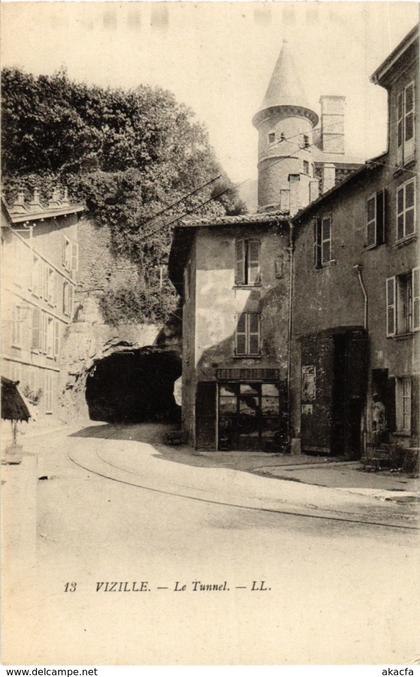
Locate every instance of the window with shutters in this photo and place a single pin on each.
(247, 269)
(44, 330)
(405, 124)
(403, 404)
(17, 326)
(36, 276)
(67, 254)
(36, 329)
(416, 298)
(56, 339)
(67, 299)
(391, 318)
(247, 334)
(403, 303)
(52, 287)
(50, 337)
(74, 258)
(322, 241)
(406, 209)
(375, 219)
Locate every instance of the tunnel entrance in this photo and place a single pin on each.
(133, 386)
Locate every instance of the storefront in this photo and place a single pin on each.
(245, 409)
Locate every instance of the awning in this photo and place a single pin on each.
(13, 407)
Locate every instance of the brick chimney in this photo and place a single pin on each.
(294, 195)
(328, 176)
(332, 124)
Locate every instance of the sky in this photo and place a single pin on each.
(218, 57)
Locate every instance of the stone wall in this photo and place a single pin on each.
(88, 340)
(99, 269)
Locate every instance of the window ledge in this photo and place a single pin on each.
(247, 286)
(402, 337)
(401, 433)
(404, 241)
(368, 247)
(14, 345)
(407, 166)
(327, 264)
(247, 357)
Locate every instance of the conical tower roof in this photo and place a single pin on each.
(285, 87)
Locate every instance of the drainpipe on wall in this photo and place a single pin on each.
(358, 269)
(289, 331)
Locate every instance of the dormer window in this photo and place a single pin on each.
(271, 137)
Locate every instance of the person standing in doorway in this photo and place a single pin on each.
(379, 425)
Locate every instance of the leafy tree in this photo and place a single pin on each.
(127, 154)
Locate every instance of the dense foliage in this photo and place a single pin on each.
(127, 154)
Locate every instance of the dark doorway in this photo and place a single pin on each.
(334, 382)
(133, 386)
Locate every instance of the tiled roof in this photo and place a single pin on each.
(240, 219)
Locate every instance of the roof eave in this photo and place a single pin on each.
(381, 73)
(368, 166)
(42, 216)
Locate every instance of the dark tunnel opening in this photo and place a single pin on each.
(134, 386)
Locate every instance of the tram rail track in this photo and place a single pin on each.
(184, 496)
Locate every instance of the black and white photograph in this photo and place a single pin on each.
(210, 334)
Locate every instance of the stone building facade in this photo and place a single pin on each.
(356, 291)
(39, 276)
(234, 276)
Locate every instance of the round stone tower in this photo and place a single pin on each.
(285, 124)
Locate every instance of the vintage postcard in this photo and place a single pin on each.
(210, 320)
